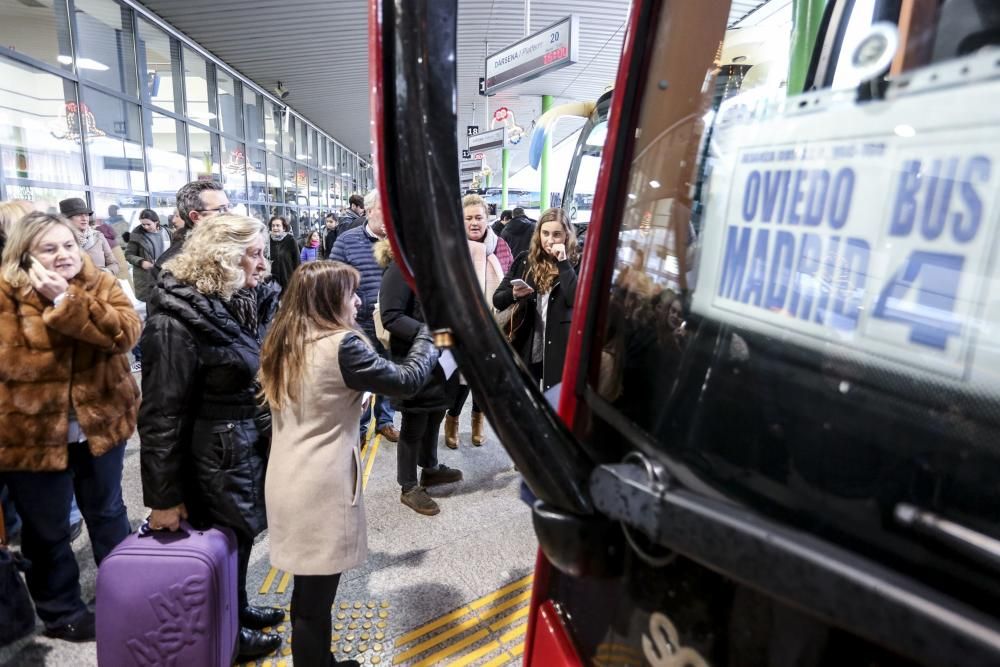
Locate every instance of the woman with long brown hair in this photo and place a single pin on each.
(542, 282)
(315, 366)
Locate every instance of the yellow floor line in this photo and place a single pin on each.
(286, 578)
(371, 462)
(435, 658)
(435, 640)
(516, 650)
(433, 625)
(501, 659)
(519, 631)
(520, 613)
(513, 602)
(486, 599)
(268, 580)
(469, 658)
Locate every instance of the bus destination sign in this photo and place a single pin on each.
(550, 49)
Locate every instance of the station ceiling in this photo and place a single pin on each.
(319, 50)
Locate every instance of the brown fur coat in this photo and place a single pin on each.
(50, 355)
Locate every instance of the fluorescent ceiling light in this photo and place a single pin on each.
(202, 115)
(83, 63)
(301, 156)
(344, 173)
(905, 131)
(654, 184)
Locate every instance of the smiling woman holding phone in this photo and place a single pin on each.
(69, 406)
(543, 279)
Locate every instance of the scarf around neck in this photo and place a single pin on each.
(242, 305)
(277, 238)
(88, 238)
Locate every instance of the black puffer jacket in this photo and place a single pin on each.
(403, 318)
(199, 441)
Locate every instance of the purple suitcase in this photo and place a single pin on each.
(168, 599)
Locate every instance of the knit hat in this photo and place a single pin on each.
(74, 206)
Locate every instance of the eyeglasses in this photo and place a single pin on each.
(218, 209)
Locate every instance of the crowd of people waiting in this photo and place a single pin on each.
(238, 320)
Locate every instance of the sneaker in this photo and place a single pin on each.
(442, 474)
(389, 432)
(136, 367)
(75, 530)
(418, 501)
(82, 629)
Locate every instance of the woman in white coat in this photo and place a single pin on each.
(315, 366)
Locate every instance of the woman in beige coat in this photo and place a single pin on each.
(315, 366)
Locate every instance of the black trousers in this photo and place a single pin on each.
(461, 394)
(43, 499)
(244, 545)
(312, 599)
(417, 446)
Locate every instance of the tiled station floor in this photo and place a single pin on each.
(448, 589)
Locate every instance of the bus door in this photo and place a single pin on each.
(797, 369)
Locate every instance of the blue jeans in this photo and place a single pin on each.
(11, 520)
(384, 414)
(43, 500)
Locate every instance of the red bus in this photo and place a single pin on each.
(776, 439)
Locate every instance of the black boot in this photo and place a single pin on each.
(254, 644)
(258, 618)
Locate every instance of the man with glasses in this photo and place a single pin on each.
(196, 201)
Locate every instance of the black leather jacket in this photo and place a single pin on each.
(364, 370)
(199, 440)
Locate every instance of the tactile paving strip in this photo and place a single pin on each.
(359, 629)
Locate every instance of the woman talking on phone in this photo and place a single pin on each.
(69, 406)
(542, 283)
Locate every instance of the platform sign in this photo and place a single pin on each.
(550, 49)
(872, 244)
(466, 154)
(471, 130)
(470, 166)
(487, 141)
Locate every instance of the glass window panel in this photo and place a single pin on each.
(256, 175)
(198, 106)
(275, 190)
(234, 168)
(105, 53)
(114, 141)
(302, 142)
(39, 125)
(168, 167)
(43, 198)
(258, 211)
(229, 118)
(129, 206)
(158, 62)
(313, 176)
(288, 134)
(252, 118)
(204, 150)
(288, 182)
(39, 30)
(313, 139)
(272, 127)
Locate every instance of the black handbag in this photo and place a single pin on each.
(17, 615)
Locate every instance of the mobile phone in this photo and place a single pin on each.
(517, 282)
(26, 260)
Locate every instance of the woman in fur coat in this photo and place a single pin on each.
(69, 406)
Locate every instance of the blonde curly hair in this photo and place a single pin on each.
(210, 260)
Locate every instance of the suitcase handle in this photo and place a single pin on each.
(184, 531)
